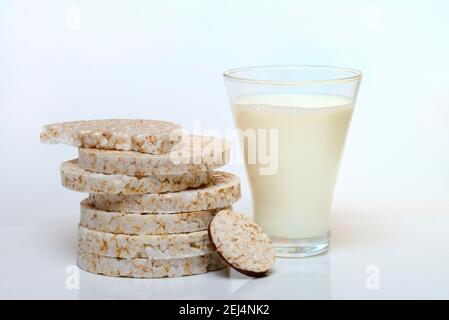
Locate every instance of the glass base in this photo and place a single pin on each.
(300, 248)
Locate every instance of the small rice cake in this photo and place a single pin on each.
(194, 153)
(151, 223)
(241, 243)
(147, 136)
(168, 246)
(149, 268)
(222, 191)
(77, 179)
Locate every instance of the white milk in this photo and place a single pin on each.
(295, 202)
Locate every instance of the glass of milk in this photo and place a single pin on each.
(292, 123)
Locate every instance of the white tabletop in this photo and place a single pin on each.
(400, 252)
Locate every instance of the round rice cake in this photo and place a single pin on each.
(77, 179)
(241, 243)
(222, 191)
(135, 224)
(147, 136)
(168, 246)
(149, 268)
(193, 154)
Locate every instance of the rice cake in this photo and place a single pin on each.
(241, 243)
(149, 268)
(147, 136)
(222, 191)
(135, 224)
(77, 179)
(192, 154)
(169, 246)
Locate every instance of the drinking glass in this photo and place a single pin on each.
(292, 122)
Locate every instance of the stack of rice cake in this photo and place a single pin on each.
(152, 194)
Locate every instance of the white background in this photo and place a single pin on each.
(72, 60)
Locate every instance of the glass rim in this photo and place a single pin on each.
(352, 74)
